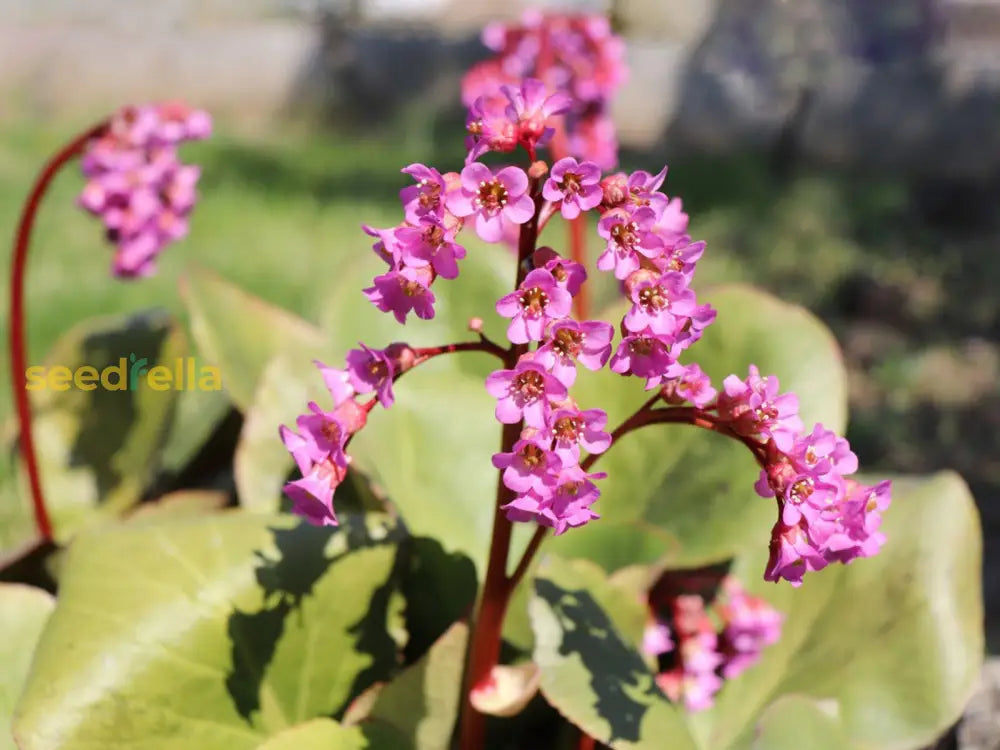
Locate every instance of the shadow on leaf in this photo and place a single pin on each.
(621, 681)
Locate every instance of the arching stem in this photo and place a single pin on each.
(17, 338)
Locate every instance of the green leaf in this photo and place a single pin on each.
(23, 612)
(590, 673)
(894, 641)
(431, 452)
(98, 448)
(422, 703)
(682, 487)
(326, 734)
(794, 721)
(180, 504)
(210, 632)
(240, 333)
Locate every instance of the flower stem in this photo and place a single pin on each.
(17, 337)
(483, 345)
(484, 649)
(646, 415)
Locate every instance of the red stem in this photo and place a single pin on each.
(17, 338)
(483, 345)
(484, 649)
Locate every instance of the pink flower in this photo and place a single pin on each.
(569, 274)
(370, 370)
(524, 392)
(137, 185)
(628, 237)
(656, 639)
(754, 408)
(338, 383)
(642, 355)
(312, 495)
(657, 302)
(573, 429)
(399, 292)
(569, 341)
(426, 197)
(565, 506)
(429, 243)
(491, 199)
(751, 625)
(529, 466)
(321, 436)
(490, 128)
(532, 107)
(537, 302)
(792, 554)
(576, 185)
(687, 383)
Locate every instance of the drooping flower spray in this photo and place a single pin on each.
(550, 442)
(142, 193)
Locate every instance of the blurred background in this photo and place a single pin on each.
(844, 154)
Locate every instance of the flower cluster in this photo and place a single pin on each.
(545, 462)
(697, 656)
(576, 56)
(543, 468)
(137, 185)
(823, 516)
(320, 445)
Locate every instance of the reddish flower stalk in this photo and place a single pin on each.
(17, 338)
(484, 650)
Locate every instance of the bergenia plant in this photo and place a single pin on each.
(457, 533)
(550, 443)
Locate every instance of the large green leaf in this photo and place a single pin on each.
(326, 734)
(210, 632)
(794, 721)
(893, 643)
(240, 333)
(685, 496)
(97, 447)
(23, 612)
(590, 673)
(422, 703)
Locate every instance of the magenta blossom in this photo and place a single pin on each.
(426, 198)
(524, 392)
(687, 383)
(573, 429)
(575, 185)
(532, 106)
(657, 302)
(400, 292)
(491, 199)
(642, 355)
(370, 370)
(629, 235)
(537, 302)
(570, 341)
(529, 466)
(569, 274)
(312, 495)
(754, 408)
(137, 185)
(429, 243)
